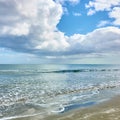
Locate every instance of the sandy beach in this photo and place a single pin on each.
(109, 110)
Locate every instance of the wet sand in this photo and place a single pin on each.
(109, 110)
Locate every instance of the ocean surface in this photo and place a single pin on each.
(29, 90)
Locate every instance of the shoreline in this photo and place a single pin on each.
(107, 110)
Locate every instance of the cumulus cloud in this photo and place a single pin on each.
(30, 27)
(33, 24)
(102, 40)
(115, 14)
(112, 7)
(17, 29)
(101, 5)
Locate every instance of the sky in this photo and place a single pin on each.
(60, 31)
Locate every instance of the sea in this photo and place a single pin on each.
(30, 90)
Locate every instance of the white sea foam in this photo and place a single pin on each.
(58, 110)
(21, 116)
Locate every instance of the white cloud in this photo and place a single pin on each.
(55, 41)
(31, 28)
(101, 40)
(115, 14)
(90, 12)
(69, 1)
(111, 6)
(36, 13)
(77, 14)
(101, 5)
(18, 29)
(36, 20)
(103, 23)
(74, 1)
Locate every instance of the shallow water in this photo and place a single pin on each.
(28, 90)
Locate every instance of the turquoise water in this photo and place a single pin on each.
(28, 90)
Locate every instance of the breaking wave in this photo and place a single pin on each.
(55, 71)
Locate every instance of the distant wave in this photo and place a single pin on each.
(55, 71)
(82, 70)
